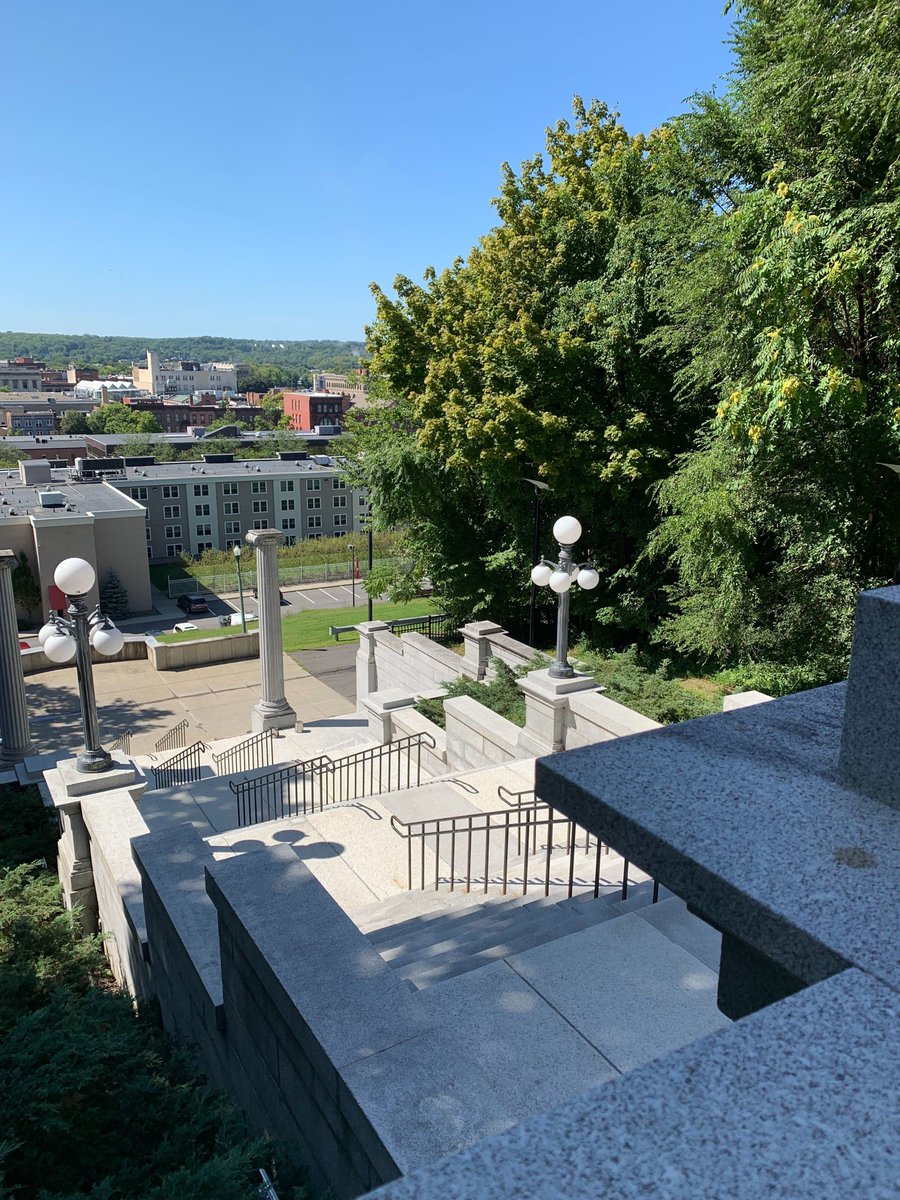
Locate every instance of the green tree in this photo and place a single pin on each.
(530, 360)
(74, 422)
(116, 417)
(114, 596)
(26, 589)
(792, 303)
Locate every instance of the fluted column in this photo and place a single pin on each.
(273, 710)
(14, 728)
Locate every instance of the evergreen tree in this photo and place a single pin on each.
(26, 589)
(114, 597)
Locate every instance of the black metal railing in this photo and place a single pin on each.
(526, 846)
(175, 738)
(306, 787)
(248, 755)
(437, 626)
(183, 767)
(122, 742)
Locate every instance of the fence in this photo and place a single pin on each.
(122, 742)
(306, 787)
(182, 768)
(253, 752)
(437, 626)
(299, 574)
(176, 737)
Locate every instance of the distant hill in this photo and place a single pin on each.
(61, 349)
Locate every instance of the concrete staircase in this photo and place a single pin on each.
(434, 936)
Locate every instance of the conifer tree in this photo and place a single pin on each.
(114, 596)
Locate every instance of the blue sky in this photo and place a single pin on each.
(246, 169)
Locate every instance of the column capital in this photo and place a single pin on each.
(8, 559)
(264, 537)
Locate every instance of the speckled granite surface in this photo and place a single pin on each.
(741, 814)
(761, 1109)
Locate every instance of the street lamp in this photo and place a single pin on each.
(236, 551)
(560, 576)
(62, 639)
(352, 549)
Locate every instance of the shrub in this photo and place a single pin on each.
(499, 694)
(28, 829)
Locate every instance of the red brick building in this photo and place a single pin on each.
(306, 410)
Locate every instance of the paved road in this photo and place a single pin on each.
(332, 665)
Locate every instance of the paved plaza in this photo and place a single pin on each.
(216, 699)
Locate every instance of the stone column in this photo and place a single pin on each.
(273, 710)
(14, 729)
(366, 663)
(477, 648)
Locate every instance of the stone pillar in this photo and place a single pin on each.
(379, 707)
(546, 706)
(366, 664)
(477, 648)
(14, 730)
(273, 710)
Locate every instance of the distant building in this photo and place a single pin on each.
(354, 385)
(76, 374)
(182, 376)
(104, 390)
(309, 410)
(21, 374)
(40, 414)
(182, 413)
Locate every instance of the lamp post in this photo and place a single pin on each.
(64, 638)
(560, 576)
(369, 537)
(539, 488)
(236, 551)
(352, 549)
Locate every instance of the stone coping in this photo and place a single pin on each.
(740, 813)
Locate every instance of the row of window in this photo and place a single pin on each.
(232, 508)
(172, 532)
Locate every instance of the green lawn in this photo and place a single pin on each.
(309, 630)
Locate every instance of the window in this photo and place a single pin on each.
(149, 551)
(289, 523)
(314, 522)
(201, 510)
(201, 546)
(259, 523)
(170, 492)
(260, 506)
(289, 539)
(171, 511)
(232, 508)
(313, 501)
(174, 551)
(147, 531)
(139, 493)
(339, 501)
(287, 485)
(258, 486)
(340, 520)
(232, 527)
(287, 506)
(313, 485)
(312, 537)
(339, 484)
(172, 532)
(229, 489)
(204, 530)
(201, 489)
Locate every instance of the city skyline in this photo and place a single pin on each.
(248, 174)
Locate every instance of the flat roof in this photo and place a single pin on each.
(19, 499)
(186, 472)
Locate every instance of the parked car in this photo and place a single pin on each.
(281, 599)
(183, 627)
(192, 604)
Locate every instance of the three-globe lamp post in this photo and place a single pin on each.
(64, 638)
(236, 551)
(559, 577)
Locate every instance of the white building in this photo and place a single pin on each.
(183, 377)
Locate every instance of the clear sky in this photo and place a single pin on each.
(247, 168)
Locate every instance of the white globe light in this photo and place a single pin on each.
(567, 530)
(587, 578)
(60, 647)
(47, 631)
(560, 581)
(74, 576)
(540, 575)
(108, 640)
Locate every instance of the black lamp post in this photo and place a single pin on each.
(560, 576)
(236, 551)
(353, 574)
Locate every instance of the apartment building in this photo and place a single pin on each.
(312, 410)
(209, 505)
(181, 376)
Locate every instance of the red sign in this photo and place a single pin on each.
(57, 598)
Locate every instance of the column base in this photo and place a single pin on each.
(266, 715)
(11, 755)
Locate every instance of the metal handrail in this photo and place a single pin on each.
(248, 755)
(122, 742)
(181, 768)
(514, 832)
(302, 787)
(175, 738)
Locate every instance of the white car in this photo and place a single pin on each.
(184, 627)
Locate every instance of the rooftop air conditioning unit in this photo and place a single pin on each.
(51, 499)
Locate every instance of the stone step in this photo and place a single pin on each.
(402, 921)
(671, 917)
(458, 923)
(405, 909)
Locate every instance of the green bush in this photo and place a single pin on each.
(649, 688)
(499, 694)
(28, 829)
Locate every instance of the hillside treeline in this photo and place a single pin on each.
(692, 336)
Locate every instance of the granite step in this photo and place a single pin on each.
(460, 928)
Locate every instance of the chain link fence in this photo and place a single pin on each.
(287, 577)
